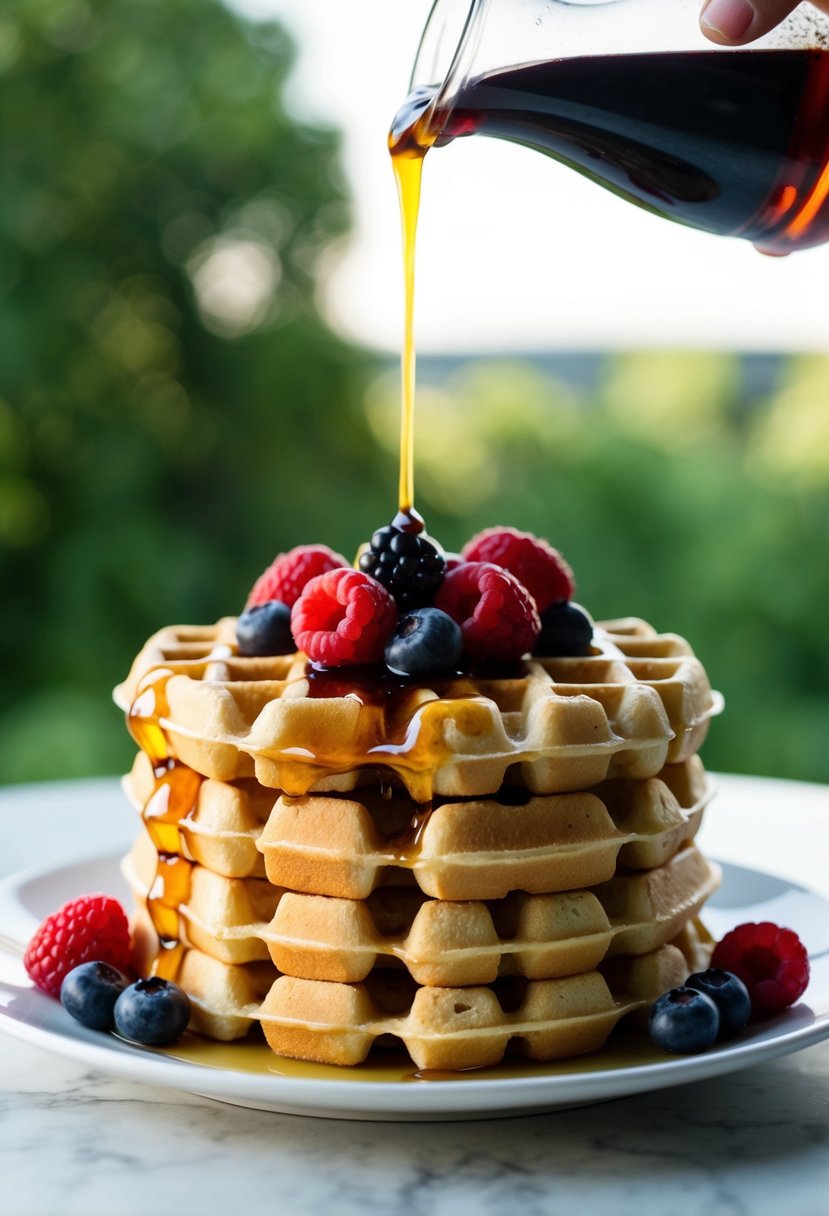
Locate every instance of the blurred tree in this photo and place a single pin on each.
(675, 500)
(172, 408)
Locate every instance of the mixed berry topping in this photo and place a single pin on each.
(89, 993)
(153, 1012)
(508, 593)
(772, 963)
(497, 615)
(410, 566)
(91, 928)
(288, 574)
(425, 642)
(265, 629)
(344, 617)
(534, 562)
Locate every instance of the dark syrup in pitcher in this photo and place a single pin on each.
(736, 143)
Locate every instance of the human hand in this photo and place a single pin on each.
(734, 22)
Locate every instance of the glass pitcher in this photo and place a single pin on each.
(630, 93)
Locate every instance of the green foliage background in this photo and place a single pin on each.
(158, 445)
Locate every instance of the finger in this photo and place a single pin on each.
(734, 22)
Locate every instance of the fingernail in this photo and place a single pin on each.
(728, 18)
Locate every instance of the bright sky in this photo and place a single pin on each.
(516, 252)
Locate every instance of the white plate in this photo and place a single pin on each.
(266, 1082)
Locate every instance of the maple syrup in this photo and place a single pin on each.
(734, 143)
(173, 797)
(626, 1048)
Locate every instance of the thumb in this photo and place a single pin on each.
(734, 22)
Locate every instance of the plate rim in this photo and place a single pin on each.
(435, 1099)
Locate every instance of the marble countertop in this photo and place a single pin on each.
(76, 1143)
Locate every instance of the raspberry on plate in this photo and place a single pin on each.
(497, 615)
(343, 617)
(90, 928)
(533, 561)
(288, 574)
(772, 963)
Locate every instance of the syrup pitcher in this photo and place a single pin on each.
(630, 93)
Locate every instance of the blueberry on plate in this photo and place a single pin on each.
(89, 993)
(729, 994)
(566, 631)
(684, 1021)
(153, 1012)
(425, 641)
(265, 629)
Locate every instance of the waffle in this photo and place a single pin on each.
(482, 849)
(440, 943)
(493, 861)
(222, 827)
(459, 1028)
(639, 701)
(440, 1027)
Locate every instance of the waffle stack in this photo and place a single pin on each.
(493, 861)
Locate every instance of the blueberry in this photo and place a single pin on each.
(729, 994)
(153, 1012)
(425, 641)
(566, 631)
(684, 1021)
(265, 629)
(89, 993)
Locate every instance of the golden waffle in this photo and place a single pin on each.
(222, 827)
(226, 1001)
(638, 701)
(482, 849)
(458, 1028)
(440, 943)
(458, 944)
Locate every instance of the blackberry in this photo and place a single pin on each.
(409, 566)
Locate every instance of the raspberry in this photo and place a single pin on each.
(343, 617)
(497, 616)
(534, 562)
(288, 574)
(93, 927)
(772, 963)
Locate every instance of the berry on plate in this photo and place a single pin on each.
(729, 994)
(684, 1021)
(343, 617)
(566, 631)
(265, 629)
(288, 574)
(772, 963)
(533, 561)
(89, 993)
(426, 640)
(497, 615)
(90, 928)
(153, 1012)
(410, 566)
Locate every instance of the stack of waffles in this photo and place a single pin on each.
(489, 861)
